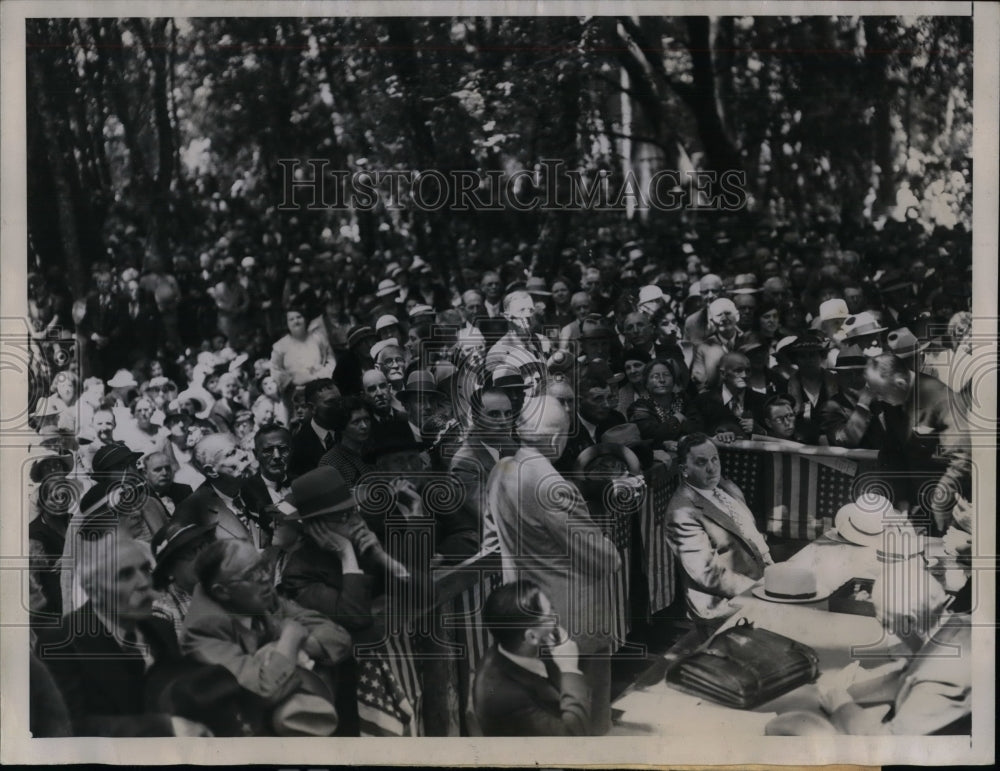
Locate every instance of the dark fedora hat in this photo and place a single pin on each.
(805, 343)
(396, 438)
(421, 382)
(848, 358)
(318, 492)
(114, 457)
(171, 539)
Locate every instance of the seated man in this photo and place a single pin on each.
(521, 690)
(781, 421)
(930, 690)
(731, 410)
(160, 481)
(106, 656)
(274, 647)
(712, 533)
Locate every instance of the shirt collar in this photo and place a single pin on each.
(535, 666)
(320, 431)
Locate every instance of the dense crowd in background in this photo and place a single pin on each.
(244, 435)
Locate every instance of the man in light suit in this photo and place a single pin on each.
(219, 499)
(547, 536)
(712, 533)
(519, 690)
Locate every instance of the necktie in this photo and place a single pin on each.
(727, 506)
(328, 441)
(244, 516)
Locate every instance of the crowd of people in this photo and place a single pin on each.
(247, 459)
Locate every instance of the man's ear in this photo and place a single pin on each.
(208, 469)
(220, 592)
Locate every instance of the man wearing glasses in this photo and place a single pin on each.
(780, 420)
(274, 647)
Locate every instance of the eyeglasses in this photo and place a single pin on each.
(789, 418)
(258, 575)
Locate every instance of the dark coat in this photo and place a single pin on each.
(511, 701)
(315, 579)
(106, 686)
(716, 416)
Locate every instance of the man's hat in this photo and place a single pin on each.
(380, 346)
(320, 491)
(904, 343)
(387, 320)
(848, 358)
(421, 382)
(861, 324)
(113, 457)
(745, 283)
(806, 343)
(123, 379)
(171, 539)
(599, 332)
(635, 354)
(358, 333)
(397, 437)
(387, 287)
(536, 285)
(892, 280)
(419, 310)
(506, 376)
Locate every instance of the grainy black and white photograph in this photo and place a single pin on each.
(460, 377)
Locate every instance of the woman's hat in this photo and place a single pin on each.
(833, 309)
(420, 310)
(387, 287)
(199, 395)
(387, 320)
(358, 333)
(862, 521)
(615, 450)
(536, 285)
(113, 457)
(805, 344)
(123, 379)
(320, 491)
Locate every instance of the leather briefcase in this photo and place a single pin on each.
(744, 666)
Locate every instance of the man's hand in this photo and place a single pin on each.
(408, 500)
(747, 425)
(328, 537)
(962, 513)
(957, 541)
(833, 685)
(725, 437)
(565, 653)
(866, 397)
(184, 727)
(293, 633)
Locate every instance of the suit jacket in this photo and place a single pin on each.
(177, 492)
(716, 416)
(106, 686)
(696, 326)
(717, 561)
(511, 701)
(707, 358)
(546, 535)
(205, 505)
(844, 425)
(213, 635)
(471, 465)
(315, 579)
(306, 451)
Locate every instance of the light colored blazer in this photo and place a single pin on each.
(213, 635)
(547, 536)
(718, 562)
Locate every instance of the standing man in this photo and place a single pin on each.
(547, 536)
(697, 326)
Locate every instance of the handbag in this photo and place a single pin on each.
(745, 666)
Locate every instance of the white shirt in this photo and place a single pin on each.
(492, 309)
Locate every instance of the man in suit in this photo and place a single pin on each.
(712, 533)
(488, 438)
(144, 328)
(271, 645)
(107, 656)
(518, 690)
(520, 342)
(103, 325)
(547, 536)
(160, 481)
(708, 354)
(314, 438)
(697, 326)
(731, 410)
(219, 499)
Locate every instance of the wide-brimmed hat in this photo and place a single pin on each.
(113, 457)
(173, 538)
(421, 382)
(862, 522)
(788, 583)
(320, 491)
(847, 358)
(613, 449)
(861, 324)
(387, 320)
(536, 285)
(745, 283)
(833, 309)
(904, 343)
(123, 379)
(199, 395)
(387, 287)
(805, 343)
(381, 345)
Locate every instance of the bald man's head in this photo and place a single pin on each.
(543, 423)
